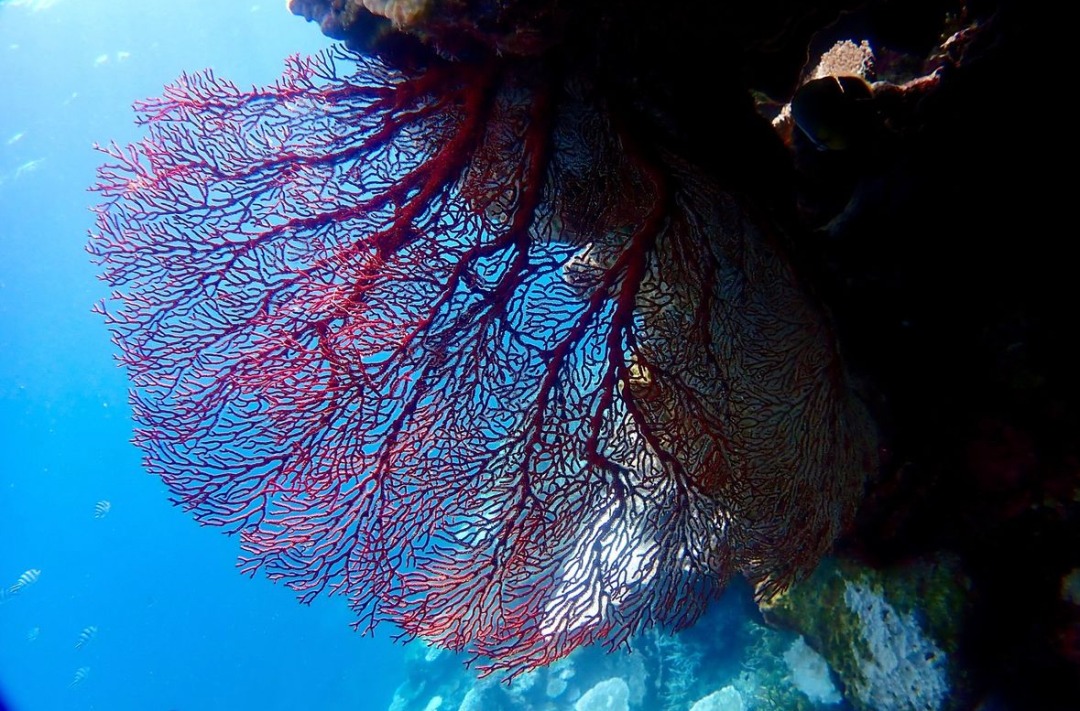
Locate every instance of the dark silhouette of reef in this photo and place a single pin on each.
(950, 284)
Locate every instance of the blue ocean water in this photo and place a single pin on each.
(177, 626)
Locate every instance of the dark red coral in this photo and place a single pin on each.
(458, 344)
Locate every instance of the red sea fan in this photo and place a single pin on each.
(455, 343)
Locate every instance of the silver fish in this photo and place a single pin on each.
(28, 578)
(85, 636)
(102, 508)
(80, 675)
(29, 167)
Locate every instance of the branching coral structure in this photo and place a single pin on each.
(457, 343)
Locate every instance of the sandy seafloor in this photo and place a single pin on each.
(177, 627)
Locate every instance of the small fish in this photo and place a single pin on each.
(16, 138)
(33, 634)
(80, 675)
(29, 167)
(102, 508)
(85, 636)
(28, 578)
